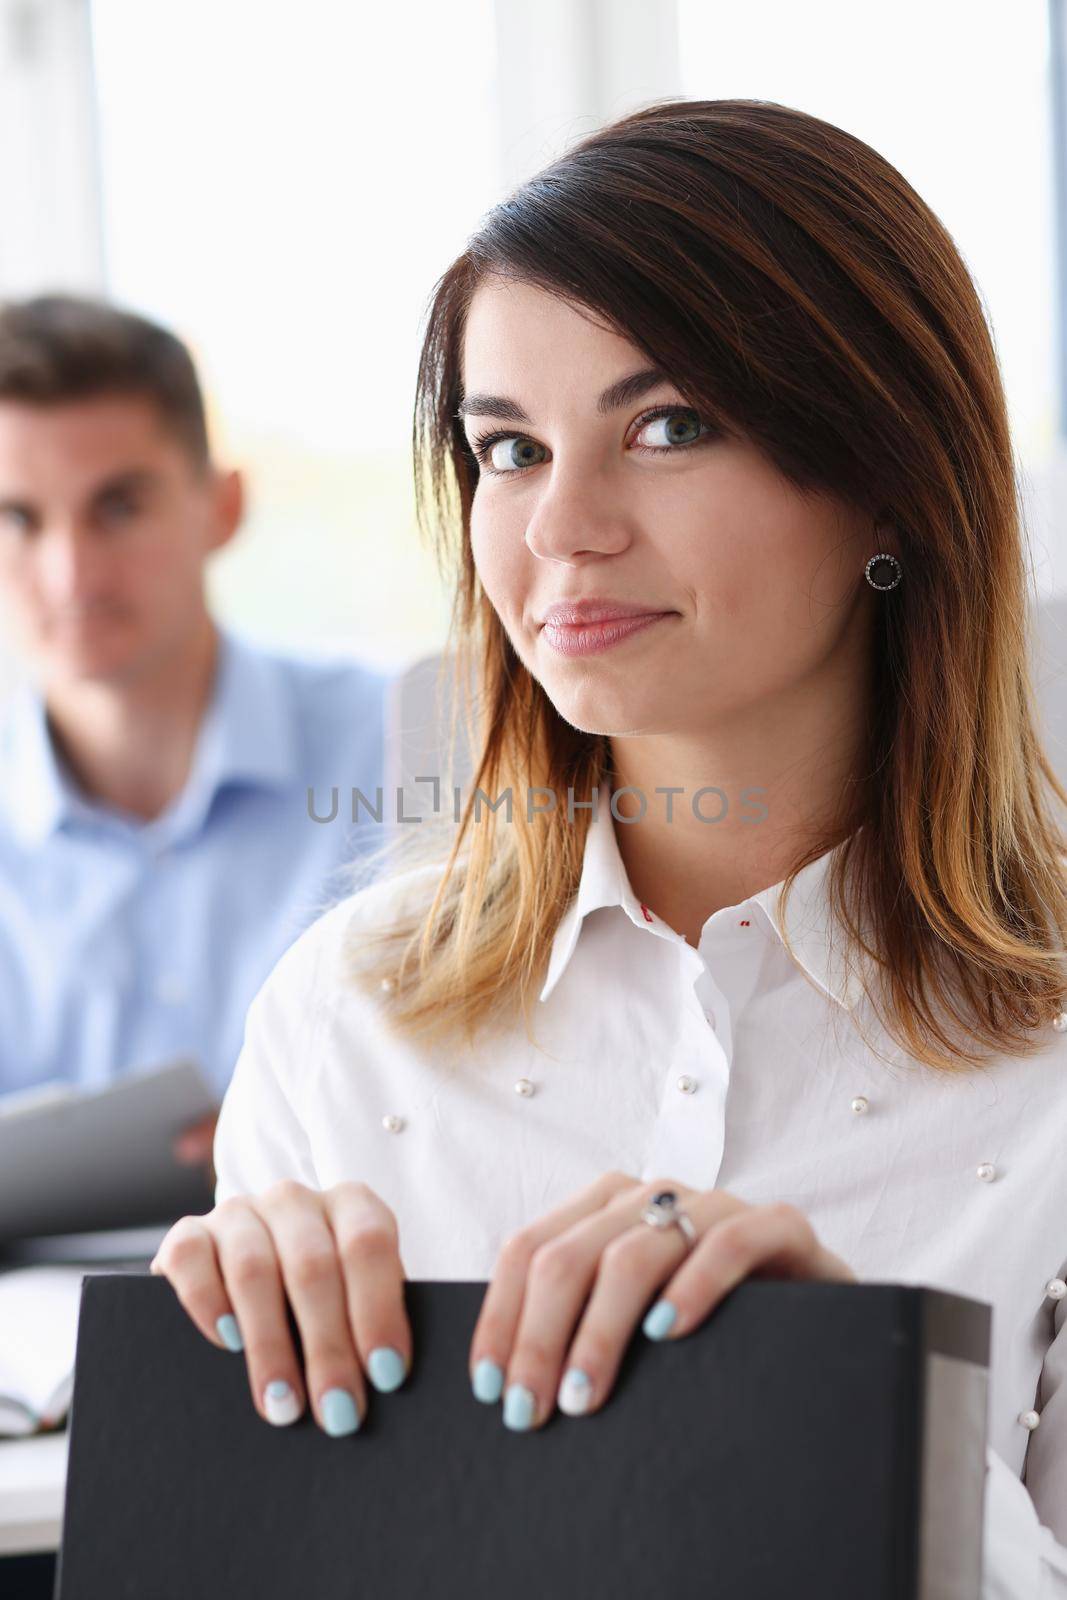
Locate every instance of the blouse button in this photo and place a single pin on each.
(987, 1172)
(1059, 1022)
(1029, 1420)
(392, 1124)
(861, 1104)
(1055, 1288)
(687, 1084)
(524, 1087)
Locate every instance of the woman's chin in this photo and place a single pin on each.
(610, 717)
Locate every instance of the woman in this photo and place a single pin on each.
(714, 443)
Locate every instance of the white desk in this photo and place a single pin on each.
(33, 1474)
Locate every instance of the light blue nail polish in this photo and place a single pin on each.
(385, 1368)
(519, 1406)
(339, 1414)
(488, 1381)
(575, 1392)
(228, 1331)
(660, 1320)
(281, 1403)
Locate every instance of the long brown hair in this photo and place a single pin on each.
(791, 283)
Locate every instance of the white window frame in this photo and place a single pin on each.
(51, 237)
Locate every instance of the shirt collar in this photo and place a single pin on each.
(248, 734)
(815, 938)
(36, 793)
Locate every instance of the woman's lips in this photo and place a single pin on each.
(586, 638)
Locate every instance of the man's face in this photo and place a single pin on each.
(105, 524)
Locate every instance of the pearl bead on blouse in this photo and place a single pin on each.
(1055, 1288)
(687, 1084)
(392, 1124)
(524, 1087)
(987, 1172)
(1029, 1420)
(861, 1104)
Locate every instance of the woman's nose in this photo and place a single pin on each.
(573, 521)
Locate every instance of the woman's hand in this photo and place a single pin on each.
(335, 1254)
(596, 1248)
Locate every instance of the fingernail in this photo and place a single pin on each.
(228, 1331)
(519, 1407)
(280, 1403)
(339, 1414)
(575, 1392)
(385, 1368)
(660, 1320)
(488, 1381)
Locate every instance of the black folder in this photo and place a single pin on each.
(809, 1441)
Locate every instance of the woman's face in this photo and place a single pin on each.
(754, 586)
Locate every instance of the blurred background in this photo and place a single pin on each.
(281, 185)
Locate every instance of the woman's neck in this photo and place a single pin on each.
(776, 780)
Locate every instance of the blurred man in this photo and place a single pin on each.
(156, 849)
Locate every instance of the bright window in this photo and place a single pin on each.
(956, 96)
(282, 186)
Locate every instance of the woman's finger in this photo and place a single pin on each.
(632, 1266)
(251, 1272)
(771, 1241)
(368, 1250)
(311, 1273)
(188, 1259)
(560, 1276)
(494, 1332)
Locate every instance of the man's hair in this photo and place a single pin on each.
(59, 347)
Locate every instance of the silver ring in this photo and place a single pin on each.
(663, 1211)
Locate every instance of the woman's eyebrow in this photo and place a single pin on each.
(621, 393)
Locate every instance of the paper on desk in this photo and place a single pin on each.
(38, 1334)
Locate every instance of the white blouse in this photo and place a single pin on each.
(723, 1066)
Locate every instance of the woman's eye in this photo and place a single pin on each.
(512, 454)
(676, 428)
(508, 454)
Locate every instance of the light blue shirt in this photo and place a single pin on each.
(126, 943)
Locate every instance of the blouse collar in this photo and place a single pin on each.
(818, 943)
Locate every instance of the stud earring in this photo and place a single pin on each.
(881, 568)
